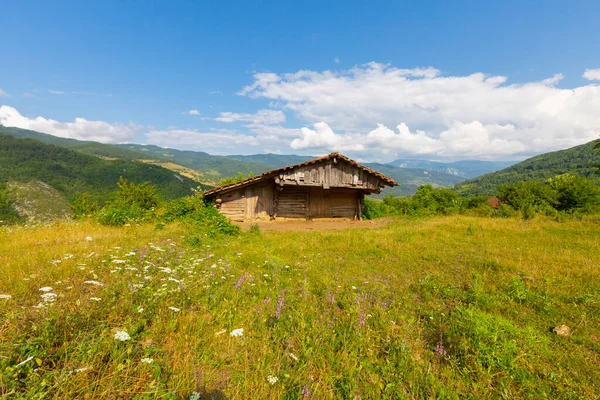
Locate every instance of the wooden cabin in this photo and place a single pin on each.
(332, 186)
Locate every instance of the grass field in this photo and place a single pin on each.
(451, 307)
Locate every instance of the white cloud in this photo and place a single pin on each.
(213, 142)
(56, 92)
(81, 128)
(592, 74)
(193, 112)
(475, 115)
(3, 93)
(266, 117)
(336, 60)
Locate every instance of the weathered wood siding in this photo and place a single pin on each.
(255, 202)
(329, 174)
(292, 202)
(233, 205)
(316, 202)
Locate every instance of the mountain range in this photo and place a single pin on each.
(73, 166)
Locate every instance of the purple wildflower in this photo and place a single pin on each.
(306, 391)
(279, 306)
(440, 351)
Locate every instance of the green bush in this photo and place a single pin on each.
(574, 193)
(208, 222)
(119, 214)
(374, 209)
(143, 195)
(84, 206)
(8, 213)
(132, 203)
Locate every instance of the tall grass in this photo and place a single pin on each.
(440, 308)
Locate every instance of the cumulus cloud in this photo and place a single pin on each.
(81, 128)
(592, 74)
(193, 112)
(265, 117)
(476, 115)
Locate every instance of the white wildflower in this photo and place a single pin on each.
(118, 261)
(88, 238)
(122, 336)
(195, 396)
(174, 309)
(96, 283)
(293, 356)
(140, 309)
(222, 331)
(353, 287)
(147, 360)
(48, 297)
(55, 261)
(45, 289)
(5, 296)
(81, 369)
(272, 379)
(95, 299)
(237, 332)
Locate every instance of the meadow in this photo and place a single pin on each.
(442, 307)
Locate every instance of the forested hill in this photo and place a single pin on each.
(213, 168)
(86, 147)
(579, 160)
(71, 172)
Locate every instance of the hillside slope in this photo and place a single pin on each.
(578, 160)
(212, 168)
(71, 172)
(86, 147)
(465, 168)
(411, 178)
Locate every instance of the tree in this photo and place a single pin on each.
(143, 195)
(574, 193)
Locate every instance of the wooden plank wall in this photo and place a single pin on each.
(292, 202)
(315, 202)
(328, 174)
(344, 203)
(255, 202)
(233, 205)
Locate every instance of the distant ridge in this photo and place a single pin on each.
(465, 168)
(71, 172)
(211, 168)
(579, 160)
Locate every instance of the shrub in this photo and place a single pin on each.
(574, 193)
(530, 195)
(84, 206)
(143, 195)
(132, 203)
(8, 213)
(208, 222)
(119, 214)
(374, 209)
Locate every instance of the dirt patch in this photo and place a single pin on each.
(312, 225)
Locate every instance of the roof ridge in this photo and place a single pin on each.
(308, 162)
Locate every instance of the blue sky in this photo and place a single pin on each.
(501, 81)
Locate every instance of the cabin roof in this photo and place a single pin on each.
(273, 172)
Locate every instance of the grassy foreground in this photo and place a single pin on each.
(452, 307)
